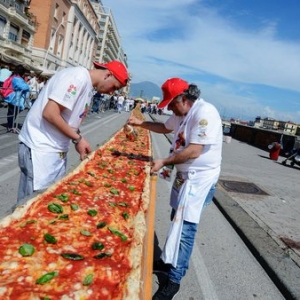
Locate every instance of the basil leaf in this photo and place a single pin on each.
(75, 192)
(101, 224)
(92, 212)
(50, 238)
(28, 222)
(26, 250)
(88, 183)
(114, 191)
(102, 255)
(72, 256)
(64, 217)
(97, 246)
(46, 278)
(125, 215)
(85, 232)
(55, 208)
(88, 280)
(62, 197)
(118, 233)
(74, 207)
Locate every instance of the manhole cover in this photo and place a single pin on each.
(242, 187)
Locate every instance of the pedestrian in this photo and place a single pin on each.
(34, 88)
(15, 99)
(196, 154)
(54, 121)
(120, 102)
(96, 102)
(5, 72)
(126, 104)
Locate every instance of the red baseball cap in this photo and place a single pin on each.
(172, 88)
(117, 68)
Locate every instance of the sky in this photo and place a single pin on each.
(243, 54)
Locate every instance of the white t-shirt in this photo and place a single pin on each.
(202, 125)
(71, 88)
(121, 100)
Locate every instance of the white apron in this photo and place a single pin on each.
(188, 204)
(48, 167)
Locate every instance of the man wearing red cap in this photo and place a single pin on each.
(54, 120)
(196, 154)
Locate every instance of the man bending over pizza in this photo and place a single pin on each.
(196, 154)
(54, 120)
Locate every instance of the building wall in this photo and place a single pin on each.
(16, 33)
(66, 35)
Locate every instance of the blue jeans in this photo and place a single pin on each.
(187, 243)
(26, 177)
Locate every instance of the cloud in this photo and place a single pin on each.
(189, 39)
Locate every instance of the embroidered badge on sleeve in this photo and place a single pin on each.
(71, 92)
(202, 128)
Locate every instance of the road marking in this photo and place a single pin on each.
(8, 160)
(204, 280)
(5, 145)
(9, 174)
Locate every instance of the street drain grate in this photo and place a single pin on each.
(242, 187)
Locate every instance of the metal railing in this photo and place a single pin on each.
(15, 113)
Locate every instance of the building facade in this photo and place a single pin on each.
(66, 34)
(17, 30)
(49, 35)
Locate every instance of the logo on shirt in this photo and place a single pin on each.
(203, 122)
(202, 128)
(180, 141)
(84, 113)
(72, 90)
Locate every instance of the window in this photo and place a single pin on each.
(13, 32)
(60, 45)
(2, 25)
(63, 21)
(56, 11)
(52, 41)
(25, 38)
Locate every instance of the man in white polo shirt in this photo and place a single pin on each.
(54, 121)
(196, 153)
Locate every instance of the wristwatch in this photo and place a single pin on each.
(77, 140)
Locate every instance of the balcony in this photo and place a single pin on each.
(20, 17)
(13, 46)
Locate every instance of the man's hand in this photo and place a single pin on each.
(157, 164)
(83, 148)
(134, 121)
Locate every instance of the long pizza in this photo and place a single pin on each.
(83, 237)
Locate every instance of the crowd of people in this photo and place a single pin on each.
(54, 120)
(19, 89)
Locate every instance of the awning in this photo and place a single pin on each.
(46, 72)
(14, 61)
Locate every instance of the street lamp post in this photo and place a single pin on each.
(55, 32)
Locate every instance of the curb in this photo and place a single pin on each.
(282, 270)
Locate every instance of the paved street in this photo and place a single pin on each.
(268, 224)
